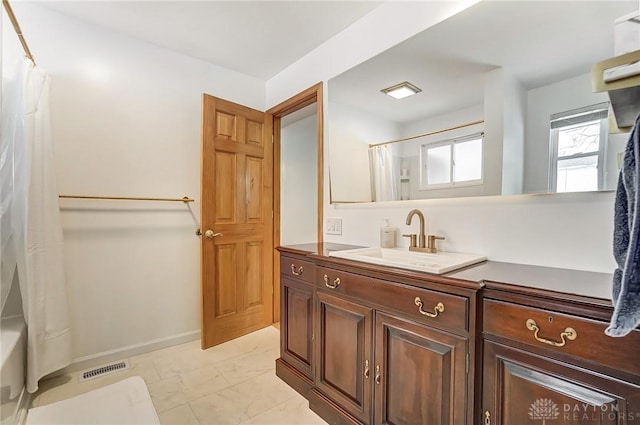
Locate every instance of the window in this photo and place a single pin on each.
(455, 162)
(578, 145)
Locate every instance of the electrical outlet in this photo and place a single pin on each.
(334, 226)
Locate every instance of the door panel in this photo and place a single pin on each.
(531, 392)
(226, 125)
(520, 387)
(423, 377)
(237, 198)
(225, 165)
(226, 294)
(297, 325)
(254, 133)
(254, 189)
(344, 350)
(255, 271)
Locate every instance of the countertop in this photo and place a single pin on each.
(564, 281)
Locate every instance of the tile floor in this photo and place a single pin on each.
(230, 384)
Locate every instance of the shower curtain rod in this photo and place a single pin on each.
(469, 124)
(186, 199)
(16, 27)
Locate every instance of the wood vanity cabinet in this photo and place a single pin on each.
(367, 344)
(297, 292)
(379, 360)
(546, 359)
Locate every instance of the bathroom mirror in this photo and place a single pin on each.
(505, 91)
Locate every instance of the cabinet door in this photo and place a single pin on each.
(522, 388)
(296, 320)
(420, 374)
(344, 358)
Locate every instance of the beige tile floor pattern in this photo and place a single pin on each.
(230, 384)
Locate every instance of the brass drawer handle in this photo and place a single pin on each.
(569, 333)
(334, 285)
(487, 418)
(366, 369)
(377, 374)
(296, 272)
(439, 308)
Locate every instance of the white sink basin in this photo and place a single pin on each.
(441, 262)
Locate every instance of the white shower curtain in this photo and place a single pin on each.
(35, 240)
(384, 185)
(12, 131)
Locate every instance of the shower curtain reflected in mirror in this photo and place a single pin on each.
(384, 173)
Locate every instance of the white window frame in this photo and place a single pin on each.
(424, 185)
(575, 118)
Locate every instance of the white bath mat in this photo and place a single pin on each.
(124, 403)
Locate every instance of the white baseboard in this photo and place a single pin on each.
(98, 359)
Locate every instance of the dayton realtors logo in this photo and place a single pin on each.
(543, 409)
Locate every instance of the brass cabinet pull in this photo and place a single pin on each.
(487, 418)
(366, 369)
(334, 285)
(439, 308)
(569, 333)
(377, 374)
(296, 272)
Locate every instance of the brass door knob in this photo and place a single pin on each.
(210, 234)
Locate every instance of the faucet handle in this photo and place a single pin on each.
(413, 240)
(431, 242)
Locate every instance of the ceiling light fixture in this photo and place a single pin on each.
(402, 90)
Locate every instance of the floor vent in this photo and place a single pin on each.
(104, 370)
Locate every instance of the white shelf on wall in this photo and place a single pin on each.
(624, 93)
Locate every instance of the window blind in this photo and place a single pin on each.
(580, 115)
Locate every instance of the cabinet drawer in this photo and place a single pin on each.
(297, 269)
(564, 333)
(430, 307)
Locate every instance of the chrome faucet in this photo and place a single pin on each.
(418, 243)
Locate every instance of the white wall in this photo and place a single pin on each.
(348, 138)
(615, 147)
(387, 25)
(126, 122)
(515, 105)
(557, 230)
(494, 125)
(298, 182)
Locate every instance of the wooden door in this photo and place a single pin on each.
(237, 220)
(344, 370)
(521, 388)
(423, 377)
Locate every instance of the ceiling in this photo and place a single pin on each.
(257, 38)
(539, 42)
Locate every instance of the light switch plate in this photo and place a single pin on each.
(334, 226)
